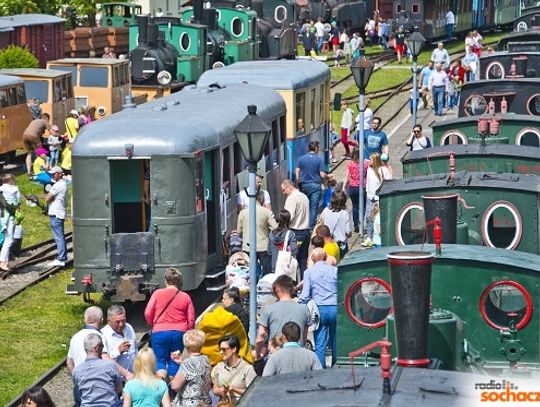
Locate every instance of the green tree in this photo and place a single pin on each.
(17, 57)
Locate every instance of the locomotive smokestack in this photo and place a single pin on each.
(244, 3)
(209, 18)
(410, 274)
(198, 11)
(443, 206)
(142, 23)
(152, 34)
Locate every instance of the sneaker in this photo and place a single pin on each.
(57, 263)
(334, 161)
(367, 243)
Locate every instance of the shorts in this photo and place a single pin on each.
(400, 48)
(31, 142)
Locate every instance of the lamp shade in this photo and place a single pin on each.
(361, 70)
(252, 134)
(416, 42)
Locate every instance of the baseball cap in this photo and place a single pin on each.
(74, 111)
(56, 170)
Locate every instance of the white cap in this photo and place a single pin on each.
(75, 112)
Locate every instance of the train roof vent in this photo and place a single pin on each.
(160, 108)
(497, 177)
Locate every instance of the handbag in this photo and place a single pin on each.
(286, 263)
(159, 316)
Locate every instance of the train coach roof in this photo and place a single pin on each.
(39, 72)
(28, 19)
(89, 61)
(203, 119)
(490, 150)
(452, 252)
(503, 83)
(463, 179)
(279, 75)
(7, 80)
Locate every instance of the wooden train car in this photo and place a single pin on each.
(52, 88)
(499, 128)
(497, 207)
(42, 34)
(472, 157)
(477, 297)
(511, 65)
(164, 180)
(522, 96)
(305, 87)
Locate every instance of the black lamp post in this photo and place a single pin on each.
(252, 134)
(361, 69)
(415, 42)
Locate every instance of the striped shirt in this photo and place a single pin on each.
(95, 383)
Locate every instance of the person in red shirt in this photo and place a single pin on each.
(170, 312)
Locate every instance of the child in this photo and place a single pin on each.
(376, 216)
(386, 162)
(330, 186)
(338, 54)
(55, 145)
(334, 141)
(40, 163)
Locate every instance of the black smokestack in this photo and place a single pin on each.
(142, 23)
(209, 18)
(443, 206)
(198, 11)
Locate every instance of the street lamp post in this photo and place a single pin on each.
(361, 70)
(415, 43)
(252, 134)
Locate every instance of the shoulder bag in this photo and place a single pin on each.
(159, 316)
(286, 263)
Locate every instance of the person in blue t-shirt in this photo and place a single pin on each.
(310, 174)
(375, 140)
(426, 94)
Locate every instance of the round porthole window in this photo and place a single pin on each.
(495, 70)
(368, 302)
(185, 41)
(522, 26)
(453, 137)
(502, 226)
(506, 301)
(533, 104)
(475, 105)
(528, 136)
(410, 224)
(280, 14)
(237, 27)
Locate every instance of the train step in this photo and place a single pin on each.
(70, 290)
(215, 282)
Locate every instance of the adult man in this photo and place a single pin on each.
(319, 26)
(426, 96)
(309, 40)
(471, 64)
(368, 117)
(310, 174)
(437, 85)
(57, 199)
(346, 128)
(449, 21)
(264, 223)
(375, 140)
(243, 199)
(400, 43)
(417, 141)
(119, 337)
(96, 381)
(293, 357)
(93, 319)
(298, 206)
(440, 56)
(320, 284)
(32, 138)
(274, 316)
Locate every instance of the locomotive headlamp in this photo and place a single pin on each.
(252, 134)
(101, 110)
(164, 78)
(416, 42)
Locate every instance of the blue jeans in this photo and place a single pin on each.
(354, 194)
(438, 99)
(304, 237)
(313, 191)
(325, 335)
(57, 227)
(450, 30)
(163, 343)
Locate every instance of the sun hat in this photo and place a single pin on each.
(74, 112)
(56, 170)
(41, 151)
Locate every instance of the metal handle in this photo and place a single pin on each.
(106, 199)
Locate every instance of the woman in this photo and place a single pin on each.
(193, 382)
(146, 388)
(277, 236)
(336, 217)
(12, 197)
(170, 312)
(37, 397)
(375, 176)
(232, 302)
(233, 375)
(352, 184)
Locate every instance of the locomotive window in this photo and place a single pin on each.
(313, 104)
(21, 94)
(94, 76)
(280, 14)
(300, 106)
(528, 136)
(275, 144)
(37, 90)
(12, 94)
(226, 168)
(368, 302)
(185, 41)
(398, 8)
(282, 136)
(506, 301)
(410, 223)
(237, 27)
(66, 83)
(218, 14)
(116, 76)
(475, 105)
(416, 8)
(453, 137)
(533, 104)
(502, 226)
(3, 98)
(57, 97)
(72, 69)
(238, 157)
(522, 26)
(495, 70)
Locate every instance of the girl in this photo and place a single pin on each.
(277, 236)
(55, 145)
(336, 217)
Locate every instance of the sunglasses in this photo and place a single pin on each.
(223, 350)
(416, 131)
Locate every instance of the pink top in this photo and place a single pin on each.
(179, 315)
(354, 174)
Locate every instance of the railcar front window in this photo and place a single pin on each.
(3, 98)
(21, 94)
(71, 69)
(94, 76)
(301, 106)
(12, 94)
(37, 90)
(275, 143)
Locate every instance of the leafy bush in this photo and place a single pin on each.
(17, 57)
